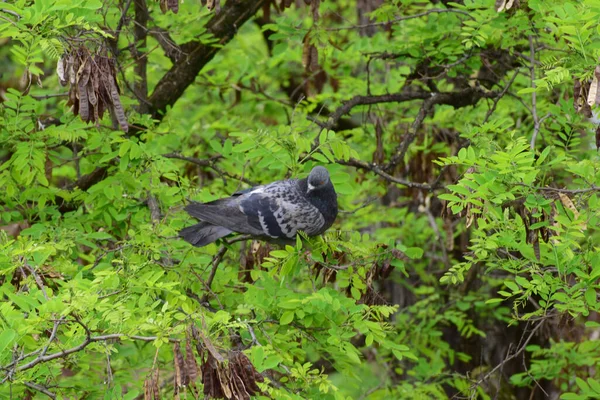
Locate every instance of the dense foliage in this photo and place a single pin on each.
(459, 136)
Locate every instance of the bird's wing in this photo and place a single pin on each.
(244, 191)
(280, 210)
(225, 213)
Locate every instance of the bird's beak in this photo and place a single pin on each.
(310, 188)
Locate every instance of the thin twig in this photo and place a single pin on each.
(48, 96)
(40, 389)
(217, 260)
(210, 163)
(89, 339)
(403, 18)
(536, 121)
(402, 148)
(37, 279)
(592, 188)
(197, 161)
(376, 169)
(509, 358)
(215, 264)
(500, 95)
(122, 20)
(52, 335)
(364, 205)
(154, 207)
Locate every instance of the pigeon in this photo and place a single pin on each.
(273, 212)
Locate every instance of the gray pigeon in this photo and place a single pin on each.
(272, 212)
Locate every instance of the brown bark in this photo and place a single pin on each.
(140, 85)
(223, 26)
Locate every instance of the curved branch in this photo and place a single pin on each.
(377, 170)
(89, 339)
(40, 388)
(461, 98)
(223, 27)
(402, 18)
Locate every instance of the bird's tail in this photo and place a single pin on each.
(203, 233)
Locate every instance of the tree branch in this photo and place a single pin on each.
(536, 120)
(402, 148)
(210, 163)
(402, 18)
(83, 183)
(89, 339)
(500, 95)
(462, 98)
(171, 49)
(366, 100)
(223, 26)
(512, 356)
(377, 170)
(140, 85)
(40, 389)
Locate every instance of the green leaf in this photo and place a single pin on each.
(582, 384)
(594, 385)
(286, 318)
(279, 254)
(414, 252)
(7, 336)
(590, 297)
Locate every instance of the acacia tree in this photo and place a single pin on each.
(464, 262)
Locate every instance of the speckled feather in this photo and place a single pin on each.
(274, 211)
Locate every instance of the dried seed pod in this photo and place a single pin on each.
(60, 71)
(155, 387)
(224, 381)
(173, 5)
(83, 74)
(593, 92)
(179, 364)
(314, 8)
(84, 110)
(117, 107)
(92, 97)
(248, 373)
(71, 69)
(568, 204)
(238, 387)
(214, 4)
(190, 361)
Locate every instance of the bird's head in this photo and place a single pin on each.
(317, 179)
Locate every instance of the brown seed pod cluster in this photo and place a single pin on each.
(233, 377)
(93, 85)
(186, 369)
(253, 258)
(586, 95)
(166, 5)
(151, 386)
(233, 380)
